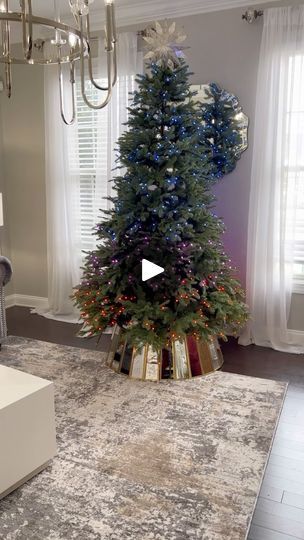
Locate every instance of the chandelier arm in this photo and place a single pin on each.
(82, 75)
(6, 53)
(109, 90)
(6, 35)
(72, 81)
(90, 69)
(115, 63)
(8, 79)
(27, 18)
(111, 22)
(111, 36)
(89, 58)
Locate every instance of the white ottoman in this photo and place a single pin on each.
(27, 427)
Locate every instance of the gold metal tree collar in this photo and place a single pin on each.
(183, 359)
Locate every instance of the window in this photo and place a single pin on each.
(88, 161)
(92, 151)
(294, 167)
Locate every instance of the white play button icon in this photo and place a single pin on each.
(149, 270)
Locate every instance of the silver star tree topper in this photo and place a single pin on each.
(163, 42)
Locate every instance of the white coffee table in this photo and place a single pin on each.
(27, 427)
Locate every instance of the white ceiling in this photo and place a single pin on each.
(138, 11)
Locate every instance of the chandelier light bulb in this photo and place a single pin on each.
(72, 40)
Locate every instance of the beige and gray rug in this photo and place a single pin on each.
(142, 461)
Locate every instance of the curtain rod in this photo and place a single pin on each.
(252, 14)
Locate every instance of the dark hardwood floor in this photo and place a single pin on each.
(254, 361)
(21, 322)
(279, 514)
(263, 362)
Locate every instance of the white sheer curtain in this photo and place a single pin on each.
(62, 196)
(276, 181)
(64, 241)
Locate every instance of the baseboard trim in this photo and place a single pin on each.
(297, 335)
(26, 301)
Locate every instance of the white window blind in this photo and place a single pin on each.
(92, 152)
(294, 165)
(88, 161)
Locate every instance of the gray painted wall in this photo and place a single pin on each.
(23, 151)
(223, 48)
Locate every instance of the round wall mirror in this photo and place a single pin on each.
(226, 123)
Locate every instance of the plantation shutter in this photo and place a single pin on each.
(89, 160)
(92, 151)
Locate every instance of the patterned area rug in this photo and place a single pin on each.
(142, 461)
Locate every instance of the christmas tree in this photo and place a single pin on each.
(162, 211)
(222, 118)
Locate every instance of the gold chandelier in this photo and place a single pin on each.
(64, 45)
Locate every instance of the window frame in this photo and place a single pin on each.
(289, 169)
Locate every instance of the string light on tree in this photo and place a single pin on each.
(162, 211)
